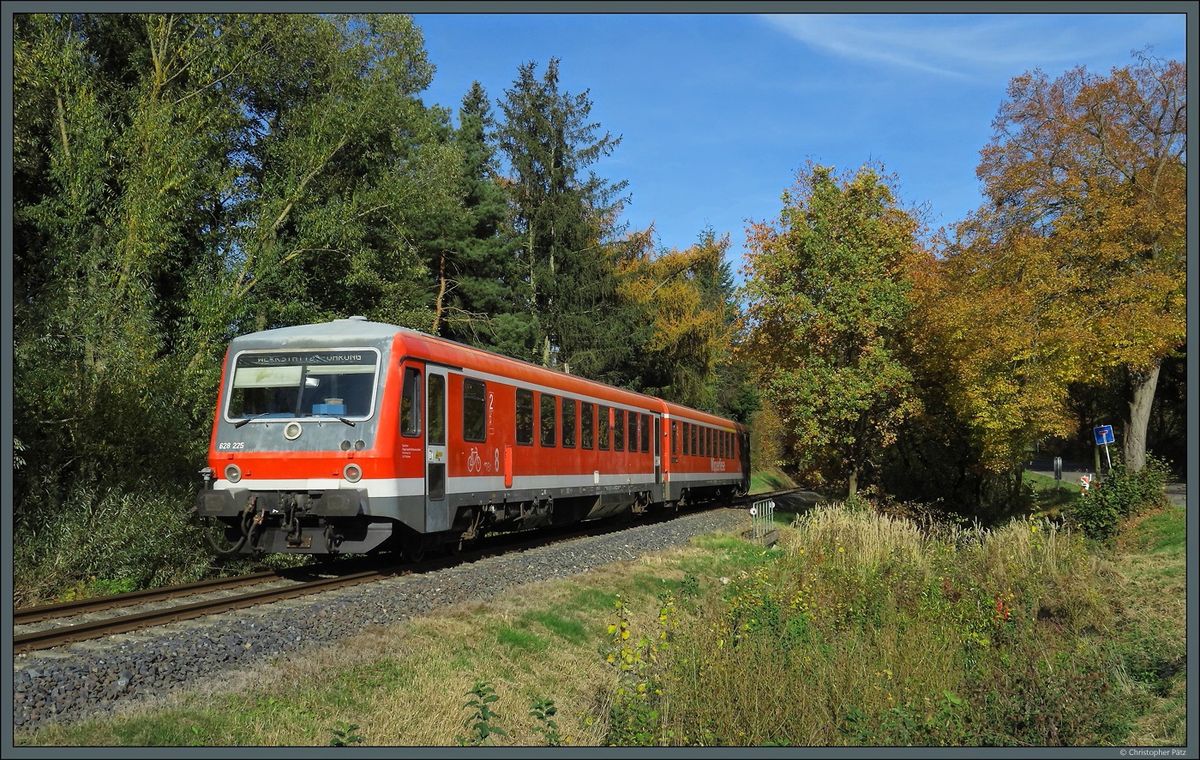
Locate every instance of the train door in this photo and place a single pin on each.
(435, 448)
(657, 452)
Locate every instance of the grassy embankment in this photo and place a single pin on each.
(857, 629)
(775, 479)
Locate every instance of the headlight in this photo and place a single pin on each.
(233, 473)
(352, 472)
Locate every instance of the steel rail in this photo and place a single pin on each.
(66, 609)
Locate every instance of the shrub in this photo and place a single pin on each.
(102, 542)
(1122, 494)
(873, 629)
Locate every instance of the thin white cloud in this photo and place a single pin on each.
(962, 46)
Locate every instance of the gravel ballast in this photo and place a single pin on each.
(95, 677)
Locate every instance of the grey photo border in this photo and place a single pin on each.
(1189, 9)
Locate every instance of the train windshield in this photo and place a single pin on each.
(274, 385)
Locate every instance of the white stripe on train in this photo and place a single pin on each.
(393, 487)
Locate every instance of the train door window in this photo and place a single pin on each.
(633, 431)
(437, 410)
(568, 422)
(410, 403)
(474, 410)
(674, 437)
(586, 425)
(645, 432)
(602, 428)
(524, 416)
(548, 421)
(618, 430)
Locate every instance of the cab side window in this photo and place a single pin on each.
(410, 403)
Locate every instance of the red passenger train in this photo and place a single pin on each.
(351, 435)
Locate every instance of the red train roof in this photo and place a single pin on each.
(443, 351)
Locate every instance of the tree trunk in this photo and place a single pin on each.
(853, 482)
(438, 304)
(1141, 399)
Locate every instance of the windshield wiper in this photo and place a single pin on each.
(335, 416)
(250, 419)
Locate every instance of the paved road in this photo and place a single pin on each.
(1176, 492)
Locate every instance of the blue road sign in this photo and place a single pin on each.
(1103, 435)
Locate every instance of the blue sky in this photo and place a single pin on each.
(717, 112)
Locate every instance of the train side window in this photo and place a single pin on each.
(709, 449)
(548, 421)
(645, 433)
(618, 430)
(568, 423)
(436, 410)
(602, 428)
(724, 445)
(586, 423)
(674, 437)
(687, 439)
(524, 416)
(474, 410)
(633, 431)
(721, 444)
(704, 441)
(695, 440)
(410, 403)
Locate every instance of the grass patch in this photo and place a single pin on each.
(1050, 496)
(520, 638)
(1160, 532)
(590, 598)
(774, 479)
(564, 627)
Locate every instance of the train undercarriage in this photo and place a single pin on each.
(305, 523)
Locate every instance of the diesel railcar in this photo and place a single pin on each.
(351, 436)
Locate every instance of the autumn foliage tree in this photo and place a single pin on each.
(688, 321)
(1085, 181)
(828, 301)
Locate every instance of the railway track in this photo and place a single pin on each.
(64, 634)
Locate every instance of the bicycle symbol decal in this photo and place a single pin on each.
(474, 462)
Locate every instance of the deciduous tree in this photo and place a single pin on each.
(1087, 174)
(827, 302)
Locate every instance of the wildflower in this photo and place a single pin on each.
(724, 581)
